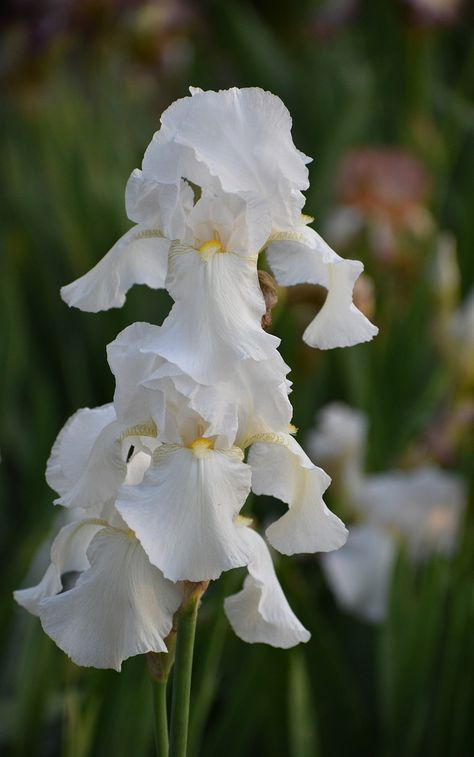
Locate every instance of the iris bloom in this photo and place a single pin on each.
(120, 604)
(194, 482)
(201, 414)
(220, 182)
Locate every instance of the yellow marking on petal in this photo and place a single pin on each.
(211, 246)
(271, 437)
(143, 429)
(148, 234)
(201, 446)
(241, 520)
(292, 429)
(131, 534)
(306, 219)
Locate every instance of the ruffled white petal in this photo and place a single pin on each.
(242, 138)
(102, 475)
(183, 512)
(359, 573)
(252, 400)
(120, 607)
(73, 445)
(216, 318)
(280, 468)
(304, 257)
(339, 323)
(139, 257)
(260, 611)
(68, 553)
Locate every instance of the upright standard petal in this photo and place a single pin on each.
(260, 611)
(303, 256)
(239, 137)
(159, 206)
(73, 445)
(131, 363)
(281, 469)
(219, 307)
(139, 257)
(253, 399)
(68, 553)
(183, 512)
(120, 607)
(359, 573)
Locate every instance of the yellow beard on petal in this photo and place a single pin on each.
(211, 247)
(201, 446)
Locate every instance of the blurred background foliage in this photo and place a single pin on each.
(382, 95)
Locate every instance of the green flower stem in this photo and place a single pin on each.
(160, 665)
(160, 718)
(186, 629)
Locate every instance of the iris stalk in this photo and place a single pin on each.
(160, 665)
(186, 630)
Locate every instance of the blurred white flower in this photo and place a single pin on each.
(421, 508)
(359, 574)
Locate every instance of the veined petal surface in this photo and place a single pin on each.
(216, 318)
(280, 468)
(260, 611)
(183, 511)
(120, 607)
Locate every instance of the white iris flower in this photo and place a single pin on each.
(235, 149)
(201, 417)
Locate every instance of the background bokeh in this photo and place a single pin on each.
(382, 95)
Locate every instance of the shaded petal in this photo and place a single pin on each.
(139, 257)
(68, 553)
(243, 227)
(218, 306)
(260, 611)
(304, 257)
(131, 365)
(159, 206)
(183, 512)
(103, 473)
(252, 400)
(281, 469)
(359, 573)
(73, 445)
(120, 607)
